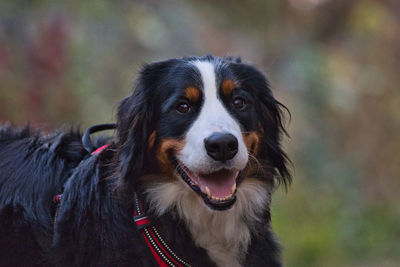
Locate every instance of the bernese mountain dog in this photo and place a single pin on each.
(185, 181)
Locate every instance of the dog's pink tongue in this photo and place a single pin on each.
(220, 183)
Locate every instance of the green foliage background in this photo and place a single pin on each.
(335, 64)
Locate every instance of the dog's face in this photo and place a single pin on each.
(203, 120)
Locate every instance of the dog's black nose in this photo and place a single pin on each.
(221, 146)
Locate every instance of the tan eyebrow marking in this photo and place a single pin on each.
(192, 93)
(227, 87)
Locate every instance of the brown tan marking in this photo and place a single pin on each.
(152, 139)
(252, 140)
(228, 86)
(192, 93)
(166, 146)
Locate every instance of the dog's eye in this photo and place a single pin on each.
(238, 102)
(183, 107)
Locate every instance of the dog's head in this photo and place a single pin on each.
(208, 122)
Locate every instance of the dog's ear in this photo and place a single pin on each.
(270, 117)
(272, 114)
(136, 120)
(133, 126)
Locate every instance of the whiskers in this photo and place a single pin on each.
(255, 163)
(262, 169)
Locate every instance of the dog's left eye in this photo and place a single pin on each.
(183, 107)
(238, 103)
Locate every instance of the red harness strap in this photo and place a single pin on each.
(97, 151)
(57, 198)
(164, 256)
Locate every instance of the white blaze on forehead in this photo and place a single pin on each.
(213, 118)
(208, 77)
(213, 114)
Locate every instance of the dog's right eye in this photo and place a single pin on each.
(183, 107)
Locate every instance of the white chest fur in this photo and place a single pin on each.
(225, 235)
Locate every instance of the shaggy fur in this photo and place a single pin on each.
(94, 224)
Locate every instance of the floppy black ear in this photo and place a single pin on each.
(136, 120)
(270, 115)
(133, 126)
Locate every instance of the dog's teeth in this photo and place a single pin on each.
(233, 188)
(220, 198)
(208, 191)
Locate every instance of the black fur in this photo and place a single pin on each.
(33, 168)
(94, 224)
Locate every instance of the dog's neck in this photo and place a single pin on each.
(225, 235)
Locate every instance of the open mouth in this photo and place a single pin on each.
(217, 189)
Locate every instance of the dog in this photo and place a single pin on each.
(186, 180)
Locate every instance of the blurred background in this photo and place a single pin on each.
(334, 64)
